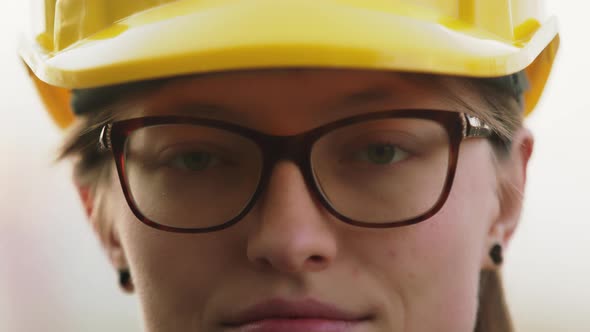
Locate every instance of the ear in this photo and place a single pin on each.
(512, 174)
(95, 206)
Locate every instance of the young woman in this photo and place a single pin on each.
(300, 165)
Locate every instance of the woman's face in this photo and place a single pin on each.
(290, 265)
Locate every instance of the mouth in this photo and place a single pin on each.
(295, 316)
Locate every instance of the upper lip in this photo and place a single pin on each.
(302, 309)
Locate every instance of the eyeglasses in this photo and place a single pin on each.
(377, 170)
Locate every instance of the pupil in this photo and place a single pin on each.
(196, 160)
(381, 154)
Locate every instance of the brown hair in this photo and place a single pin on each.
(493, 314)
(503, 114)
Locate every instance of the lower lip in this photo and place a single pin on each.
(298, 325)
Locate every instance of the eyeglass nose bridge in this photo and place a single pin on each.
(295, 149)
(292, 149)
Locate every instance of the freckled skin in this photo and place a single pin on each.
(414, 279)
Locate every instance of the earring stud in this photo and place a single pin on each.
(496, 254)
(125, 280)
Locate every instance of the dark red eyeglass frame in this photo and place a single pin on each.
(297, 149)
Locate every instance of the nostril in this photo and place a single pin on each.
(263, 263)
(316, 259)
(316, 262)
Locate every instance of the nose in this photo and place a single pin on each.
(293, 232)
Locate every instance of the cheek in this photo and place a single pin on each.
(456, 235)
(434, 266)
(176, 275)
(171, 272)
(445, 260)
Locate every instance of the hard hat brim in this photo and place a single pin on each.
(192, 37)
(243, 36)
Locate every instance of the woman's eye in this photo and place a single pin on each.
(193, 161)
(382, 154)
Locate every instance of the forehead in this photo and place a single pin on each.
(304, 96)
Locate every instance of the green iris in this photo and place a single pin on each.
(381, 153)
(195, 161)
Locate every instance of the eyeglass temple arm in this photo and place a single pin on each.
(104, 141)
(475, 127)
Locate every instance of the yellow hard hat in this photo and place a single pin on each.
(91, 43)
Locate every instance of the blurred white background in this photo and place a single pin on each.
(54, 276)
